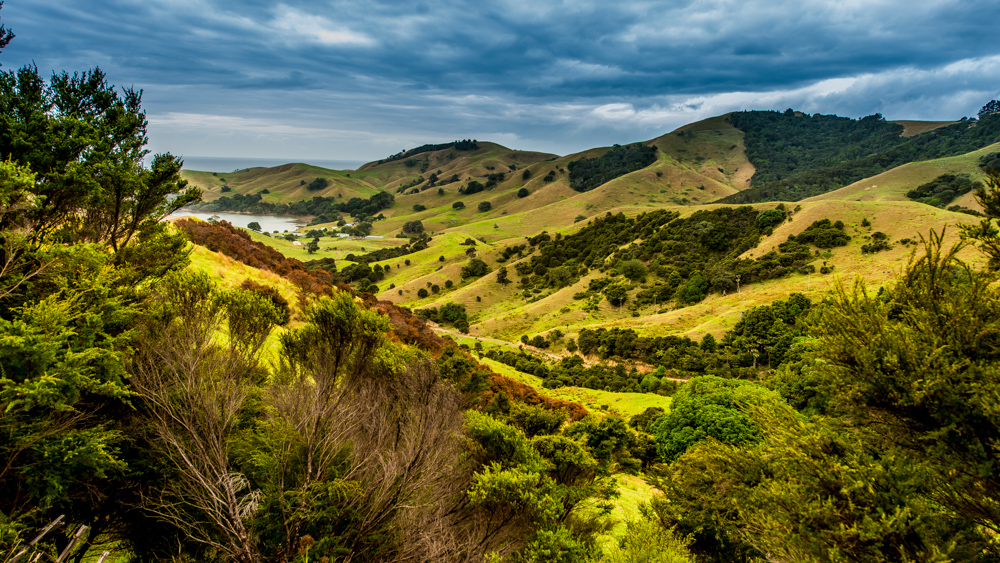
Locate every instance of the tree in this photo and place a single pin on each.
(475, 268)
(502, 278)
(5, 34)
(458, 205)
(711, 407)
(90, 168)
(616, 292)
(985, 235)
(313, 246)
(993, 106)
(318, 184)
(770, 217)
(254, 226)
(194, 389)
(810, 488)
(694, 290)
(413, 227)
(936, 398)
(708, 343)
(523, 192)
(485, 206)
(65, 395)
(633, 269)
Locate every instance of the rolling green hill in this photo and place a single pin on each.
(694, 165)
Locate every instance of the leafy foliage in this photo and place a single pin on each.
(942, 190)
(475, 268)
(991, 107)
(463, 145)
(823, 234)
(318, 184)
(798, 156)
(326, 209)
(711, 407)
(450, 313)
(690, 256)
(588, 173)
(990, 161)
(85, 143)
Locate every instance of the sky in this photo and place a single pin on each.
(361, 80)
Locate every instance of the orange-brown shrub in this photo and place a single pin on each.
(409, 328)
(237, 244)
(527, 394)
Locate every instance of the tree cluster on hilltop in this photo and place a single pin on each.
(588, 173)
(463, 145)
(326, 209)
(798, 156)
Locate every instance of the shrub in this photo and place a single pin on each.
(422, 293)
(485, 206)
(475, 268)
(633, 269)
(413, 227)
(417, 207)
(714, 407)
(272, 295)
(769, 218)
(318, 184)
(458, 205)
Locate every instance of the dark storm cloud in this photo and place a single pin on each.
(562, 76)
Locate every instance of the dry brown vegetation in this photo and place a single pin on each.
(237, 244)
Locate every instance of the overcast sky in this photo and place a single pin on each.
(360, 80)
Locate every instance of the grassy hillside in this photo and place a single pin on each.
(286, 183)
(695, 164)
(892, 185)
(911, 128)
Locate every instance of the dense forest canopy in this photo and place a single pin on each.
(588, 173)
(326, 209)
(798, 155)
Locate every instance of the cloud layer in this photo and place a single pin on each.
(361, 80)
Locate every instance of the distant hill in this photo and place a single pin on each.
(798, 156)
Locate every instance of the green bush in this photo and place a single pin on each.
(711, 407)
(475, 268)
